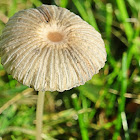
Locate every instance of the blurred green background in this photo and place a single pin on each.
(108, 106)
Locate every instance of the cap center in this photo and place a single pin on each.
(55, 36)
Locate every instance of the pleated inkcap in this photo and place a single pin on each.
(51, 49)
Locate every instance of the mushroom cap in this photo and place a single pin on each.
(51, 49)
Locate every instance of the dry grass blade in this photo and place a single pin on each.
(127, 95)
(28, 132)
(15, 99)
(3, 18)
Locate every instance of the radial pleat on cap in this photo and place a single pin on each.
(40, 70)
(51, 48)
(74, 73)
(66, 82)
(84, 63)
(17, 51)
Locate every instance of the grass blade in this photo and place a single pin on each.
(124, 16)
(122, 99)
(83, 129)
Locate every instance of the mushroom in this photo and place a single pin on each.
(51, 49)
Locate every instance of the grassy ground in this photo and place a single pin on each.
(107, 106)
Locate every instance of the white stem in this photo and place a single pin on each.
(39, 114)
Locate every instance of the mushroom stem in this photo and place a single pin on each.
(39, 114)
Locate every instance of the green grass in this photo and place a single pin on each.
(107, 106)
